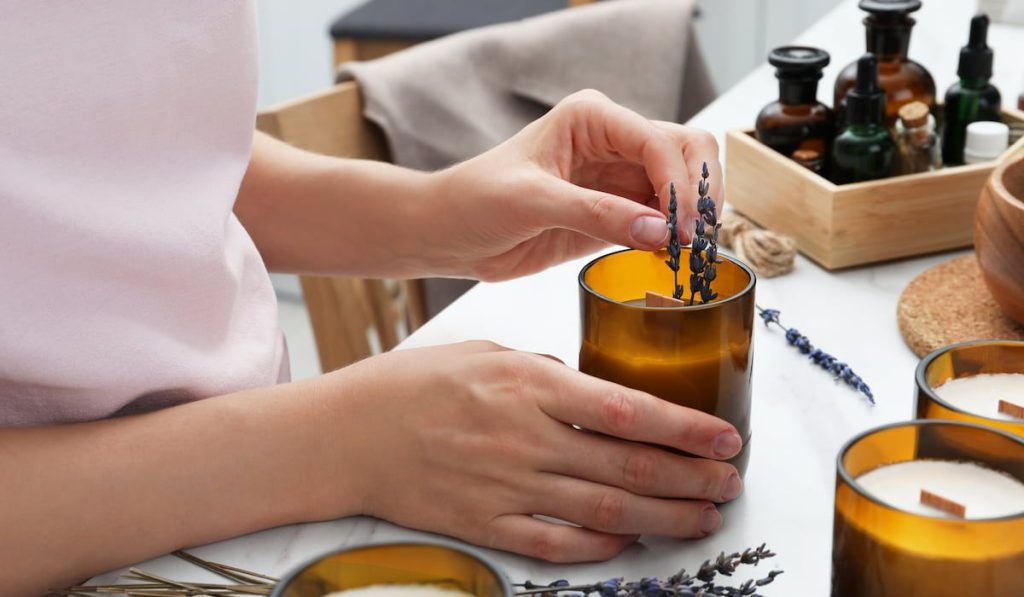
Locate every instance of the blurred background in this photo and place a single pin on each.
(298, 56)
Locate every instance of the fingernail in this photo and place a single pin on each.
(727, 444)
(649, 230)
(710, 520)
(733, 487)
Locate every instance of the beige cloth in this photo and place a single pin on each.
(450, 99)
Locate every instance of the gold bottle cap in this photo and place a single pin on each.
(914, 114)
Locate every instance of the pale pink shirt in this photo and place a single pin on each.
(128, 284)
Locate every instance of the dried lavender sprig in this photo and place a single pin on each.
(704, 248)
(841, 370)
(674, 249)
(680, 584)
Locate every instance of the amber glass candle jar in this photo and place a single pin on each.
(978, 362)
(880, 550)
(697, 356)
(438, 564)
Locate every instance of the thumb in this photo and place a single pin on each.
(604, 216)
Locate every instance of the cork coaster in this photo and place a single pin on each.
(949, 303)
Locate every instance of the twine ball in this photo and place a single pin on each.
(768, 253)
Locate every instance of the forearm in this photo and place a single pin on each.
(315, 214)
(82, 499)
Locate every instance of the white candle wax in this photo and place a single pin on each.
(980, 394)
(985, 492)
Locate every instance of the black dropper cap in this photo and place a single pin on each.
(976, 56)
(865, 103)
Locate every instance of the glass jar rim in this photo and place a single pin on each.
(751, 281)
(472, 554)
(851, 481)
(920, 376)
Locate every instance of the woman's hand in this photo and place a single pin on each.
(587, 174)
(472, 440)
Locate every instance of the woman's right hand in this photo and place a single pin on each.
(472, 440)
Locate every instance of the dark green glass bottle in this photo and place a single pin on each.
(973, 98)
(865, 150)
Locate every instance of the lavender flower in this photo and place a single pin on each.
(680, 584)
(674, 251)
(840, 370)
(704, 248)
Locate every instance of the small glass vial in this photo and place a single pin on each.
(797, 120)
(986, 141)
(865, 150)
(918, 144)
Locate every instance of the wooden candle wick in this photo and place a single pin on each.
(660, 300)
(1009, 408)
(945, 504)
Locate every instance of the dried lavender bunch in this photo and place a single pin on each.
(704, 248)
(243, 582)
(841, 370)
(680, 584)
(674, 250)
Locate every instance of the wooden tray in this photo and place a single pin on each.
(846, 225)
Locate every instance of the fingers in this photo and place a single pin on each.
(612, 510)
(605, 407)
(698, 147)
(609, 218)
(602, 129)
(553, 542)
(643, 470)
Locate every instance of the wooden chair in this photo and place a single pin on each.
(374, 35)
(352, 318)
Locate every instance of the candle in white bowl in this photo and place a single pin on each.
(980, 394)
(985, 493)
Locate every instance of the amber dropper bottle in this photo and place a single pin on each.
(888, 26)
(797, 121)
(973, 98)
(864, 151)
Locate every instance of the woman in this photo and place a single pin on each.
(144, 399)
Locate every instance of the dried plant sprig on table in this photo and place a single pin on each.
(704, 248)
(674, 250)
(680, 584)
(819, 357)
(147, 584)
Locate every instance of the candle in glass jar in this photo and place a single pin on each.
(886, 543)
(981, 394)
(698, 356)
(984, 493)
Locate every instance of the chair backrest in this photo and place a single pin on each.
(352, 318)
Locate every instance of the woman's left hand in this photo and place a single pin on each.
(587, 174)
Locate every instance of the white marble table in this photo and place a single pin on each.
(800, 417)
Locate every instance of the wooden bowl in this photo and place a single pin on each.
(999, 236)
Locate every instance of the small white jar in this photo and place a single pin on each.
(986, 141)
